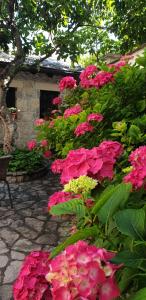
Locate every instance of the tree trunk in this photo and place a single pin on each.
(7, 123)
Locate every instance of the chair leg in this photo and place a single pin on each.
(9, 192)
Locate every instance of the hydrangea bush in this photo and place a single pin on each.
(105, 98)
(99, 126)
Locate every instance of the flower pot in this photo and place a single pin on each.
(14, 115)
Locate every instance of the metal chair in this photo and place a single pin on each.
(4, 162)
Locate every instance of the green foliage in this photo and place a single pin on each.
(140, 295)
(103, 198)
(49, 27)
(79, 235)
(128, 23)
(131, 222)
(24, 160)
(119, 197)
(71, 207)
(129, 259)
(123, 105)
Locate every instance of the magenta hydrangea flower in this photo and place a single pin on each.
(97, 162)
(39, 122)
(31, 144)
(117, 66)
(57, 101)
(102, 78)
(47, 154)
(137, 177)
(74, 110)
(95, 117)
(57, 166)
(83, 271)
(86, 77)
(31, 282)
(44, 143)
(113, 148)
(91, 77)
(67, 82)
(83, 128)
(59, 197)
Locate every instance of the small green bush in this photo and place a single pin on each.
(24, 160)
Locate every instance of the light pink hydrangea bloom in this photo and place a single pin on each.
(79, 272)
(39, 122)
(44, 143)
(95, 117)
(74, 110)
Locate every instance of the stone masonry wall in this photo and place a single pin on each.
(28, 88)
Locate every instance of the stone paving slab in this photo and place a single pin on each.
(27, 227)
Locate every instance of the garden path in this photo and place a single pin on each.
(27, 227)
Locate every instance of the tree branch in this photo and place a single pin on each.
(85, 25)
(8, 73)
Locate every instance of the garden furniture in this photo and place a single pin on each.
(4, 162)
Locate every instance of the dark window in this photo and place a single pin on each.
(46, 105)
(11, 97)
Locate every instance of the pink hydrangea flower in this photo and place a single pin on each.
(97, 162)
(55, 111)
(68, 82)
(74, 110)
(57, 101)
(31, 282)
(102, 78)
(51, 124)
(44, 143)
(117, 66)
(57, 166)
(91, 77)
(83, 128)
(109, 290)
(86, 77)
(31, 144)
(115, 149)
(59, 197)
(79, 273)
(39, 122)
(95, 117)
(137, 177)
(47, 154)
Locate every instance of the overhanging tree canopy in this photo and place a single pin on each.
(67, 28)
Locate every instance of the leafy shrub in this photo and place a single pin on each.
(109, 207)
(24, 160)
(120, 101)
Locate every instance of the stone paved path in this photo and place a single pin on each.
(27, 227)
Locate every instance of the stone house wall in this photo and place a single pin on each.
(28, 88)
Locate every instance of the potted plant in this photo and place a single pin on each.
(13, 111)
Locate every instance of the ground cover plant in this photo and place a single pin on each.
(102, 167)
(24, 160)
